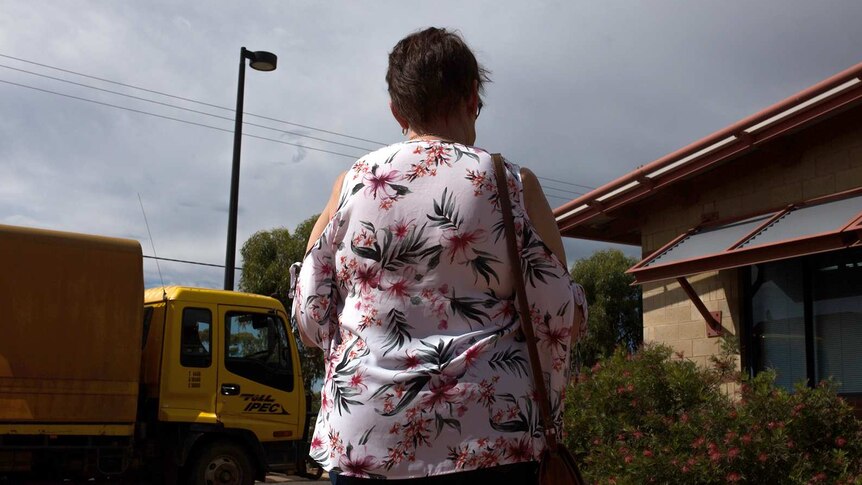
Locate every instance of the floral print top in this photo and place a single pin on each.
(408, 291)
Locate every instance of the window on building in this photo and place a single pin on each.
(195, 348)
(258, 349)
(806, 318)
(836, 287)
(778, 312)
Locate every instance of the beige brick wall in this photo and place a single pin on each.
(671, 318)
(820, 161)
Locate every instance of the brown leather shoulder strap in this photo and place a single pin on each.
(523, 304)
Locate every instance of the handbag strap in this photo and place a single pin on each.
(523, 305)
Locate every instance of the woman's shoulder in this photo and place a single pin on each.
(515, 169)
(409, 150)
(380, 154)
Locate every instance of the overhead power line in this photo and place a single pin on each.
(569, 196)
(203, 103)
(548, 196)
(567, 183)
(182, 108)
(563, 191)
(185, 261)
(176, 119)
(188, 99)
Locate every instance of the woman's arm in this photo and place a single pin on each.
(579, 328)
(327, 212)
(310, 309)
(541, 215)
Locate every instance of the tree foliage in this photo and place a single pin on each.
(615, 306)
(651, 417)
(267, 256)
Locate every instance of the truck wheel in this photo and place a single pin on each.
(221, 463)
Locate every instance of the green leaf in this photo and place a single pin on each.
(454, 424)
(400, 189)
(462, 153)
(364, 438)
(469, 308)
(357, 188)
(481, 266)
(368, 253)
(498, 230)
(440, 422)
(382, 389)
(562, 310)
(514, 426)
(439, 355)
(396, 331)
(434, 252)
(445, 215)
(434, 261)
(415, 384)
(407, 251)
(509, 361)
(392, 156)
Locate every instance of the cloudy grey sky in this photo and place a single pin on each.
(583, 92)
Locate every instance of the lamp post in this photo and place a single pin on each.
(260, 61)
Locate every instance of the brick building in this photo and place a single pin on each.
(754, 230)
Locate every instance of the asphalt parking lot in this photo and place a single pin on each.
(272, 478)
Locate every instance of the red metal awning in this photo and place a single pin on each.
(823, 224)
(597, 215)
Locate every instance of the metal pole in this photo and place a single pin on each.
(229, 263)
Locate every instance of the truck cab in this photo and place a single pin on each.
(221, 374)
(101, 378)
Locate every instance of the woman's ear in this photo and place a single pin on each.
(473, 99)
(402, 121)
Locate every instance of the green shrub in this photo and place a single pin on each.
(651, 418)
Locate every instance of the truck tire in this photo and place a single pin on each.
(221, 463)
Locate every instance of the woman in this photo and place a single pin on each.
(406, 287)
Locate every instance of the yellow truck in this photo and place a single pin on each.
(100, 379)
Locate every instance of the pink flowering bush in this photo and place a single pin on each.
(650, 418)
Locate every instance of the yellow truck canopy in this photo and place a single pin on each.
(70, 327)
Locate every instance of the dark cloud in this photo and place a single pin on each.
(583, 92)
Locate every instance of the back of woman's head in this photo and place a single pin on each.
(430, 73)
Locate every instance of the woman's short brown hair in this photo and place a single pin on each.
(430, 73)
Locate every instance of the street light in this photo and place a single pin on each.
(259, 61)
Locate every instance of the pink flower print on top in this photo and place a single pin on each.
(402, 227)
(357, 466)
(459, 244)
(407, 293)
(380, 183)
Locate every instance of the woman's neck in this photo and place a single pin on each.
(453, 132)
(412, 136)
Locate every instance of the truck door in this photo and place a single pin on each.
(188, 368)
(259, 385)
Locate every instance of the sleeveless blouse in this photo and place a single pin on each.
(408, 292)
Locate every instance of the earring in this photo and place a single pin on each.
(404, 131)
